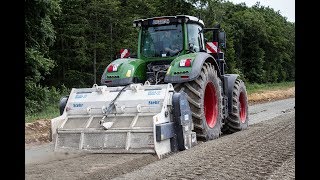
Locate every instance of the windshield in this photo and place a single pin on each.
(161, 41)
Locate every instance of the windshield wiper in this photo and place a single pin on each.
(177, 53)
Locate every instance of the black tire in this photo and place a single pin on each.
(62, 104)
(238, 117)
(204, 93)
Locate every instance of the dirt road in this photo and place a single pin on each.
(264, 151)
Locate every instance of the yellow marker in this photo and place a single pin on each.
(128, 73)
(168, 69)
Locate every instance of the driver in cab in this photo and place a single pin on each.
(169, 45)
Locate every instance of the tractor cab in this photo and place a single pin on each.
(169, 36)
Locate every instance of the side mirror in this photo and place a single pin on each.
(191, 47)
(222, 39)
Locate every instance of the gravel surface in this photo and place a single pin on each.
(266, 111)
(264, 151)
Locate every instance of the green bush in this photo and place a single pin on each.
(38, 98)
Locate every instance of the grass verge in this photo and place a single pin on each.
(260, 88)
(48, 113)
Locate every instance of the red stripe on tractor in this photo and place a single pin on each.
(124, 53)
(210, 48)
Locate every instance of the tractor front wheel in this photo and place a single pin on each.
(205, 99)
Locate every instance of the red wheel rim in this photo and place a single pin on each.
(210, 105)
(243, 111)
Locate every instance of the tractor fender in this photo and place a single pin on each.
(197, 62)
(229, 80)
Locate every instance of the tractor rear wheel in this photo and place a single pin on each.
(205, 99)
(238, 117)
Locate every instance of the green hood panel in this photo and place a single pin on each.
(127, 67)
(177, 74)
(176, 70)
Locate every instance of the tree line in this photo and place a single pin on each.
(65, 40)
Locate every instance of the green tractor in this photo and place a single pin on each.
(168, 97)
(172, 49)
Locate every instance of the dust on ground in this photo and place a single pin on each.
(39, 131)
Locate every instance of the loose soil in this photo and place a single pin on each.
(39, 131)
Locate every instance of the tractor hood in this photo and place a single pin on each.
(123, 71)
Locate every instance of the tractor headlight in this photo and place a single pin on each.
(185, 62)
(113, 68)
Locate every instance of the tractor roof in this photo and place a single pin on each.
(167, 20)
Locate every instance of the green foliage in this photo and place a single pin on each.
(43, 102)
(35, 97)
(39, 32)
(39, 36)
(38, 98)
(36, 65)
(85, 30)
(77, 79)
(49, 112)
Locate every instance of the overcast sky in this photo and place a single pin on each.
(286, 7)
